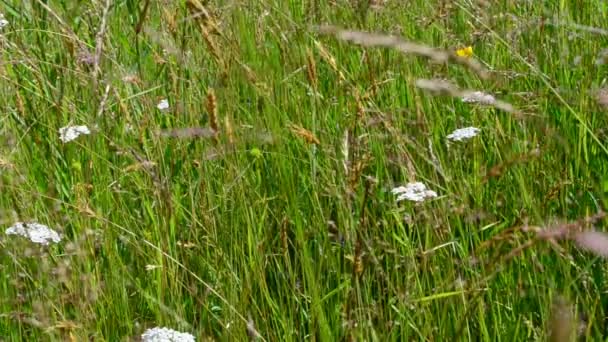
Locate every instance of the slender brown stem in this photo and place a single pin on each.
(142, 17)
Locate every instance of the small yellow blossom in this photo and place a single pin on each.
(465, 52)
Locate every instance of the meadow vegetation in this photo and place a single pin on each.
(230, 167)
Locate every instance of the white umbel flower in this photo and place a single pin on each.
(463, 133)
(478, 97)
(69, 133)
(36, 232)
(416, 192)
(152, 267)
(165, 335)
(3, 22)
(163, 104)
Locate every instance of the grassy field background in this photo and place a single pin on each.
(259, 205)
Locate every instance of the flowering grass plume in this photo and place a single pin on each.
(463, 133)
(444, 87)
(163, 104)
(416, 192)
(69, 133)
(602, 97)
(188, 132)
(165, 335)
(36, 232)
(478, 97)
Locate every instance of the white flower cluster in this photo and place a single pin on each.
(478, 97)
(463, 133)
(165, 335)
(3, 22)
(36, 232)
(163, 105)
(69, 133)
(416, 192)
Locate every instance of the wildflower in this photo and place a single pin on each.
(36, 232)
(165, 335)
(3, 22)
(129, 128)
(463, 133)
(69, 133)
(465, 52)
(152, 267)
(478, 97)
(416, 192)
(163, 104)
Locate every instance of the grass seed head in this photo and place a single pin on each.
(307, 135)
(229, 130)
(212, 110)
(311, 69)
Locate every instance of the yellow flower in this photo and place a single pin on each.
(465, 52)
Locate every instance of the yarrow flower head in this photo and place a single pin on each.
(163, 104)
(478, 97)
(165, 335)
(36, 232)
(152, 267)
(3, 22)
(463, 133)
(69, 133)
(416, 192)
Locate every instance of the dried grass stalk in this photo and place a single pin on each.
(207, 26)
(189, 132)
(345, 149)
(329, 59)
(561, 326)
(99, 40)
(443, 87)
(229, 130)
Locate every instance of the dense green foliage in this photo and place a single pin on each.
(283, 223)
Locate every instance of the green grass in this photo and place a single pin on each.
(258, 229)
